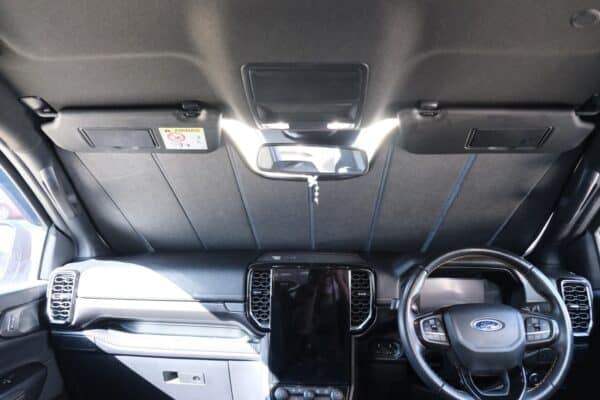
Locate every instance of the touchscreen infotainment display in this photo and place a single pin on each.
(310, 326)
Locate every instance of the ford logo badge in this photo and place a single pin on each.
(487, 325)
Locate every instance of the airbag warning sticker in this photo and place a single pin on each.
(184, 138)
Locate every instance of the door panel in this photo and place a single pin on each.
(25, 382)
(28, 370)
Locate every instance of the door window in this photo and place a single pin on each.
(22, 236)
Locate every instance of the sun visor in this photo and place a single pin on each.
(186, 129)
(483, 130)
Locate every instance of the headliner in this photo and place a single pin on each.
(109, 52)
(468, 53)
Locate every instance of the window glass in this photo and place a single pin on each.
(22, 235)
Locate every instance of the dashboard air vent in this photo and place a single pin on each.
(578, 299)
(260, 297)
(61, 297)
(361, 298)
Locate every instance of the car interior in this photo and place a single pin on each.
(277, 199)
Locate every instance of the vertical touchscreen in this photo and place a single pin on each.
(310, 326)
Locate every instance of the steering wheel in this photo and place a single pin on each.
(486, 340)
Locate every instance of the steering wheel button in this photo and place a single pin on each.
(437, 337)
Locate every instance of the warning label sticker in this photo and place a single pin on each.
(184, 138)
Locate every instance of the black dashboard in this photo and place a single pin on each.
(320, 322)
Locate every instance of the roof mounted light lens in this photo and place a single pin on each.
(276, 125)
(338, 126)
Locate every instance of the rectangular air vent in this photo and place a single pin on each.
(61, 297)
(259, 297)
(361, 298)
(577, 295)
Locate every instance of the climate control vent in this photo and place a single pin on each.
(259, 297)
(361, 298)
(61, 297)
(578, 299)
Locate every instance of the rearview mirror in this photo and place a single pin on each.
(328, 161)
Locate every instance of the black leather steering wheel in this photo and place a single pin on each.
(486, 339)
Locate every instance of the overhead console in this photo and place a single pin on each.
(434, 130)
(300, 97)
(191, 127)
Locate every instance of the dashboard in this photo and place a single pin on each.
(316, 322)
(190, 288)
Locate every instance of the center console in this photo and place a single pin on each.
(311, 312)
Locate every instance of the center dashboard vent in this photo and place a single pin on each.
(260, 297)
(61, 297)
(361, 298)
(578, 299)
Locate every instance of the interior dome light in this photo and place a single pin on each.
(338, 126)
